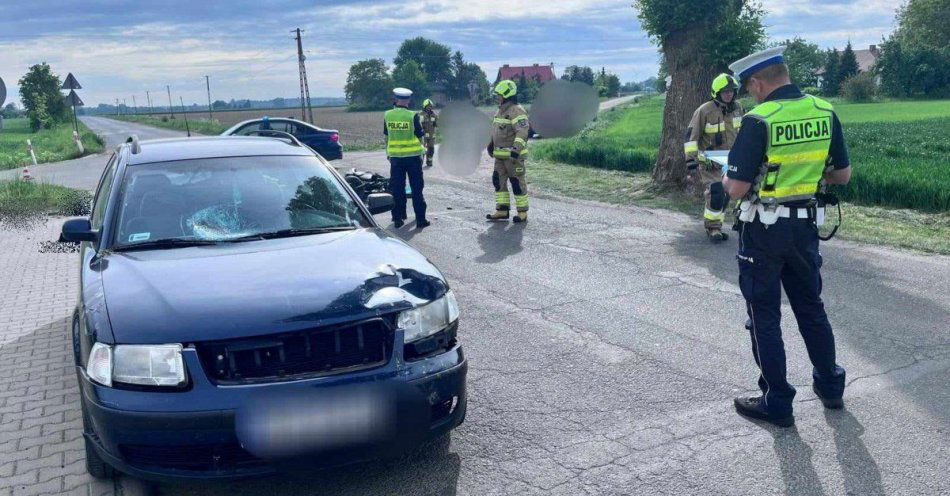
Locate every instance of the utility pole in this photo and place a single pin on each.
(171, 108)
(184, 115)
(208, 85)
(135, 106)
(116, 106)
(149, 98)
(304, 86)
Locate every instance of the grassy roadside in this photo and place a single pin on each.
(22, 202)
(49, 145)
(902, 228)
(197, 126)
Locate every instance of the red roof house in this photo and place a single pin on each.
(543, 73)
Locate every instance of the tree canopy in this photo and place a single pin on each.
(434, 58)
(368, 85)
(915, 60)
(699, 39)
(39, 92)
(804, 59)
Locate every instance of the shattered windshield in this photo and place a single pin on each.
(223, 199)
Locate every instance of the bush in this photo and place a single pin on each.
(811, 90)
(859, 88)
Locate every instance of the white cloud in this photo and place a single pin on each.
(457, 11)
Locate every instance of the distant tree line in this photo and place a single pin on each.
(217, 105)
(422, 65)
(606, 83)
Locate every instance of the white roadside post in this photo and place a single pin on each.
(29, 146)
(78, 143)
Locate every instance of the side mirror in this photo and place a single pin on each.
(379, 203)
(77, 230)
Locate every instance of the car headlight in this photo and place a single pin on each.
(145, 365)
(428, 319)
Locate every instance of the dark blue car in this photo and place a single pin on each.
(240, 309)
(326, 142)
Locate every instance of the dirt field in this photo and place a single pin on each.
(363, 129)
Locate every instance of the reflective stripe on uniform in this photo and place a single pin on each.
(788, 158)
(521, 203)
(501, 120)
(501, 153)
(690, 147)
(715, 128)
(522, 141)
(519, 118)
(713, 215)
(503, 198)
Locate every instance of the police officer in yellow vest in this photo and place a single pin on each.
(713, 127)
(787, 144)
(430, 122)
(509, 139)
(403, 132)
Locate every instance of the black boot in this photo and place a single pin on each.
(830, 403)
(716, 235)
(751, 407)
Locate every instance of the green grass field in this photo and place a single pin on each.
(22, 202)
(49, 145)
(898, 149)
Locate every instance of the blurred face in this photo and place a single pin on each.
(499, 99)
(727, 95)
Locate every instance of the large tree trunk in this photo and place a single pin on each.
(692, 75)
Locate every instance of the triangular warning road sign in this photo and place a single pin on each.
(70, 83)
(72, 99)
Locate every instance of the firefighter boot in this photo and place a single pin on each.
(521, 217)
(498, 215)
(716, 235)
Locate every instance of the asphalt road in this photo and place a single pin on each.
(607, 343)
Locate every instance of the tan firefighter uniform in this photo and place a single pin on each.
(714, 126)
(509, 140)
(429, 125)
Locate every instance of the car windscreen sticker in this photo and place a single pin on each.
(139, 237)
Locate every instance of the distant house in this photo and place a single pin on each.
(543, 73)
(866, 59)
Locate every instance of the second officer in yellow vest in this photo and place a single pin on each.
(404, 150)
(788, 144)
(509, 141)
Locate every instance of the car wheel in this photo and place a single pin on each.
(95, 465)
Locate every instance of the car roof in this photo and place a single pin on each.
(165, 150)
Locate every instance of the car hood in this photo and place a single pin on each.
(253, 288)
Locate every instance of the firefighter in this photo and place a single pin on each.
(713, 127)
(429, 124)
(404, 150)
(508, 146)
(789, 144)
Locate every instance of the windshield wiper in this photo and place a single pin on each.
(288, 233)
(165, 243)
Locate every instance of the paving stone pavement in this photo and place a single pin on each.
(41, 445)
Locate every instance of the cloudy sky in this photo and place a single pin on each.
(118, 48)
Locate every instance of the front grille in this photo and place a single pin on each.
(203, 458)
(308, 353)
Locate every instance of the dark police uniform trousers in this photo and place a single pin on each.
(399, 169)
(785, 254)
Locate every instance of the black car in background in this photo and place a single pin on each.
(326, 142)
